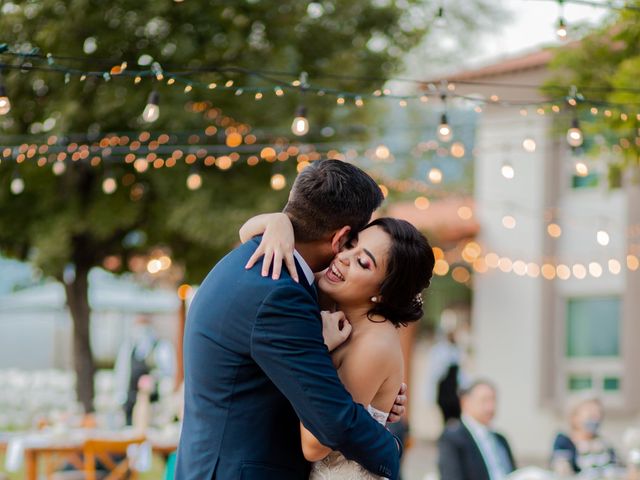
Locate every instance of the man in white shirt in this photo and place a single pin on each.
(143, 353)
(470, 449)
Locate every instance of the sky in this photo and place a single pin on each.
(532, 24)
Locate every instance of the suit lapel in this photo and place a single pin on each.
(475, 456)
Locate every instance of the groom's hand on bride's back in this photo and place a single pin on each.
(399, 406)
(335, 329)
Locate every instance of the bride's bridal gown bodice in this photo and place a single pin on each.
(336, 467)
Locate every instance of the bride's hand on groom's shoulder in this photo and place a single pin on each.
(399, 406)
(335, 329)
(277, 245)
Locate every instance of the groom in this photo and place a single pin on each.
(254, 356)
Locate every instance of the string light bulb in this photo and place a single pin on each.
(444, 130)
(300, 125)
(582, 169)
(278, 181)
(17, 184)
(603, 238)
(575, 138)
(435, 175)
(508, 171)
(561, 29)
(5, 103)
(109, 184)
(152, 110)
(194, 181)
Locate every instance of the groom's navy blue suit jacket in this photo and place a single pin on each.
(255, 362)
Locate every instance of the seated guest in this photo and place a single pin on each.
(470, 449)
(583, 449)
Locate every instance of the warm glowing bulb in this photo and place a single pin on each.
(17, 186)
(435, 175)
(278, 182)
(561, 31)
(194, 181)
(595, 269)
(382, 152)
(5, 104)
(152, 110)
(58, 168)
(529, 144)
(582, 170)
(300, 125)
(508, 171)
(603, 238)
(574, 134)
(444, 130)
(614, 266)
(141, 165)
(154, 266)
(421, 203)
(509, 222)
(554, 230)
(109, 185)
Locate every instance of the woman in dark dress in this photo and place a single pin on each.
(583, 449)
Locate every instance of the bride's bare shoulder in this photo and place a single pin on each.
(378, 341)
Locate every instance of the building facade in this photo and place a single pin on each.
(557, 288)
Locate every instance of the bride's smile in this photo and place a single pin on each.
(356, 273)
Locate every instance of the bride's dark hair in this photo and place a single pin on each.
(409, 272)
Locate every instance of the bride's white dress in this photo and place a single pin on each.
(336, 467)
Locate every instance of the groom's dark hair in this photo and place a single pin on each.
(328, 195)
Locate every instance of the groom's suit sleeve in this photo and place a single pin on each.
(287, 344)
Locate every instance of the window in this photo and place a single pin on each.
(592, 354)
(593, 327)
(588, 181)
(580, 382)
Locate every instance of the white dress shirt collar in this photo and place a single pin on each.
(489, 449)
(474, 426)
(306, 269)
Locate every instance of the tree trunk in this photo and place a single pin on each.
(78, 301)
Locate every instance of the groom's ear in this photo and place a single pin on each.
(339, 239)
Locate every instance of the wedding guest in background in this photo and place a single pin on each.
(583, 450)
(445, 374)
(145, 353)
(471, 449)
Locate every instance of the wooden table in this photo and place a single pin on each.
(70, 451)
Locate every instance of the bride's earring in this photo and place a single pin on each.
(374, 299)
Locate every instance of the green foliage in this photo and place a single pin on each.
(606, 66)
(54, 212)
(355, 37)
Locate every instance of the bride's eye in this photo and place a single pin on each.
(363, 264)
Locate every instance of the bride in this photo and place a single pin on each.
(373, 286)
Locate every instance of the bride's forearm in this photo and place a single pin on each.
(256, 226)
(313, 450)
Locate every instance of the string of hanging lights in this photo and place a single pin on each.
(300, 124)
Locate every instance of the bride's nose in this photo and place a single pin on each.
(343, 257)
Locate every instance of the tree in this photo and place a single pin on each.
(605, 63)
(65, 224)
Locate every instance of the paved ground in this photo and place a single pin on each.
(420, 462)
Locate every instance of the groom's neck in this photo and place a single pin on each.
(316, 254)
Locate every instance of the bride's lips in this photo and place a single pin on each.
(333, 274)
